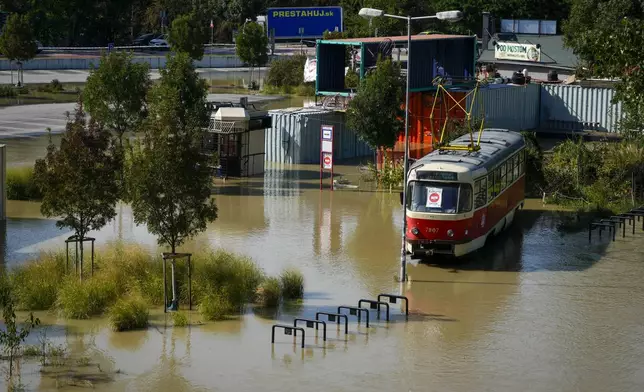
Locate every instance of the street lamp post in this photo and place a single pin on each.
(450, 16)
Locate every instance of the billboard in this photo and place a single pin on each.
(303, 22)
(516, 51)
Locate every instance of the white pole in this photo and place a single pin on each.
(403, 250)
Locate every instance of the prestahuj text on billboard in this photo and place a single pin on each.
(303, 22)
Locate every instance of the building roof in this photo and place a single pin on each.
(398, 38)
(553, 52)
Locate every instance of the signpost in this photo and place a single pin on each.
(326, 151)
(303, 22)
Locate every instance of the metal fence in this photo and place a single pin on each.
(510, 107)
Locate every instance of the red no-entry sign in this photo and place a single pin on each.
(326, 151)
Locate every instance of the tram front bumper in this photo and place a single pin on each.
(420, 248)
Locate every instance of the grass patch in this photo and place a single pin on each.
(215, 307)
(36, 284)
(32, 350)
(223, 283)
(21, 184)
(269, 293)
(292, 283)
(82, 300)
(128, 314)
(223, 272)
(179, 319)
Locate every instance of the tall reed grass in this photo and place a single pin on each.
(21, 184)
(222, 284)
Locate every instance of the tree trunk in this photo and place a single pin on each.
(174, 280)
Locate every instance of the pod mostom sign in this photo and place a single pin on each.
(516, 51)
(303, 22)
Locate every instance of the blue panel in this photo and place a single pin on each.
(303, 22)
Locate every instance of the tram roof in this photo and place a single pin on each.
(496, 145)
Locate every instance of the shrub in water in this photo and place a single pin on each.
(215, 306)
(21, 184)
(36, 283)
(129, 313)
(224, 272)
(81, 300)
(179, 319)
(292, 284)
(269, 293)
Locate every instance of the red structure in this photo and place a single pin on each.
(425, 129)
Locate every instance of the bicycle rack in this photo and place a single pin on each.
(353, 310)
(311, 323)
(612, 222)
(375, 305)
(288, 330)
(335, 317)
(394, 299)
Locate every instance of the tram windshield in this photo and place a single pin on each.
(439, 197)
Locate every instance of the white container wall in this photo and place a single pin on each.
(294, 137)
(566, 107)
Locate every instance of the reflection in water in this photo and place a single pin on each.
(534, 308)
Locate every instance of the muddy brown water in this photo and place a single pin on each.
(538, 310)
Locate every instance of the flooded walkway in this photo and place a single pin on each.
(538, 310)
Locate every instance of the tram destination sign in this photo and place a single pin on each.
(437, 175)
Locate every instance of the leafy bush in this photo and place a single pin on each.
(7, 91)
(269, 293)
(129, 313)
(305, 90)
(287, 72)
(179, 319)
(292, 282)
(223, 272)
(21, 184)
(215, 306)
(55, 86)
(82, 300)
(352, 79)
(36, 284)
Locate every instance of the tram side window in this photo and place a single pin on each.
(498, 187)
(490, 186)
(480, 193)
(522, 162)
(504, 177)
(465, 198)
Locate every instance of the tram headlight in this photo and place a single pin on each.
(450, 233)
(415, 231)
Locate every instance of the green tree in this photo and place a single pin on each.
(115, 93)
(169, 178)
(180, 96)
(17, 41)
(189, 34)
(252, 46)
(610, 44)
(376, 113)
(79, 180)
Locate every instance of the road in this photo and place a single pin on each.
(80, 76)
(34, 120)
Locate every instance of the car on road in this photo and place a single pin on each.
(160, 42)
(144, 39)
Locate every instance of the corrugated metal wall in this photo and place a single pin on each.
(511, 107)
(575, 107)
(294, 137)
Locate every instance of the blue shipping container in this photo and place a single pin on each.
(303, 22)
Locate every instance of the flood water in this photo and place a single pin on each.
(538, 310)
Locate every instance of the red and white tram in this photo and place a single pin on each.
(456, 199)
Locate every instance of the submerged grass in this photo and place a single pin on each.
(128, 280)
(35, 285)
(269, 293)
(179, 319)
(129, 313)
(292, 282)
